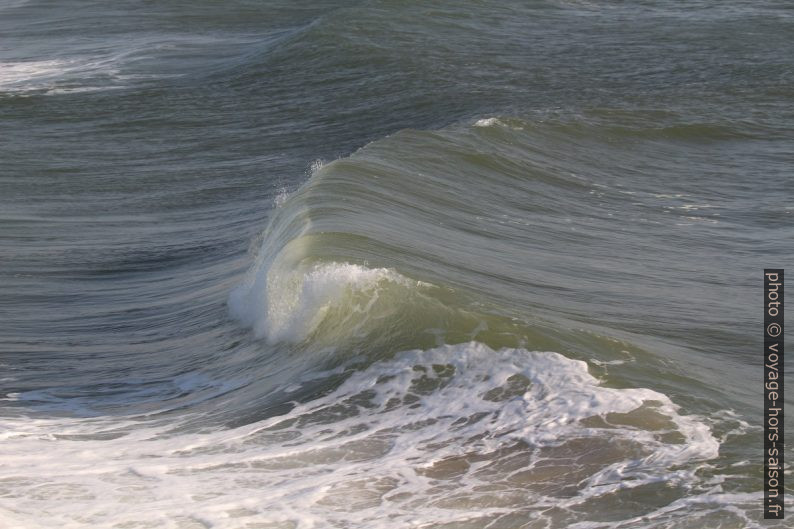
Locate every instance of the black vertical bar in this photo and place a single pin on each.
(773, 394)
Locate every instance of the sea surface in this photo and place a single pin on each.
(389, 263)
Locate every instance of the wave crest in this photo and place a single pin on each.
(290, 305)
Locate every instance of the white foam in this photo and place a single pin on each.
(281, 197)
(315, 166)
(487, 122)
(15, 73)
(496, 122)
(283, 304)
(80, 72)
(59, 76)
(451, 435)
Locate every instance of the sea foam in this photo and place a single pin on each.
(460, 434)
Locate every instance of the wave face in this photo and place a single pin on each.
(387, 264)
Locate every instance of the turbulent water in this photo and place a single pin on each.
(492, 264)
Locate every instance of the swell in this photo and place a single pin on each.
(473, 232)
(531, 232)
(217, 52)
(487, 218)
(408, 283)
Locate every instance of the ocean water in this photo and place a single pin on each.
(389, 264)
